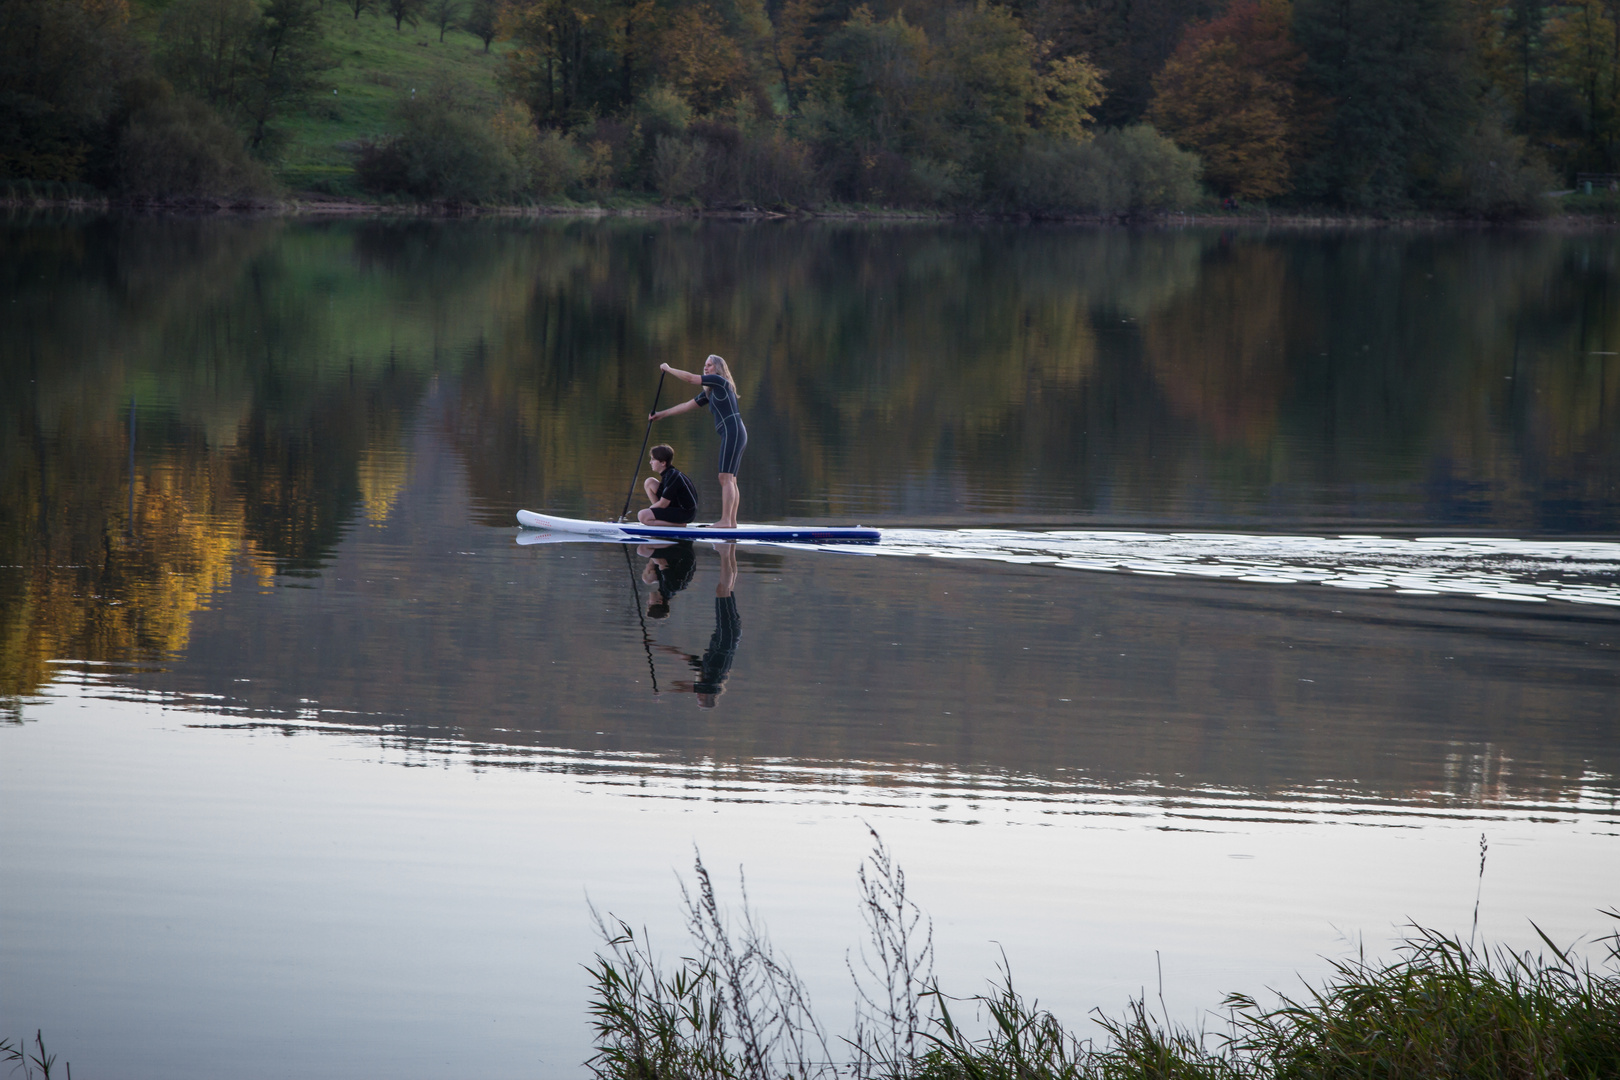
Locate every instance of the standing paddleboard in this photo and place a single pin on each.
(632, 530)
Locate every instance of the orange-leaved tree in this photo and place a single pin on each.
(1229, 93)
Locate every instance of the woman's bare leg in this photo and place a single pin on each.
(729, 500)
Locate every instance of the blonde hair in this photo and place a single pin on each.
(725, 372)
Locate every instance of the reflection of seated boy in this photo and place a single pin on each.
(669, 568)
(673, 498)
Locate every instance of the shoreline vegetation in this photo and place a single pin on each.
(1342, 110)
(733, 1009)
(316, 205)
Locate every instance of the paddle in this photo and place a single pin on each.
(644, 438)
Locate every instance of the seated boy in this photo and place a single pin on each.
(673, 498)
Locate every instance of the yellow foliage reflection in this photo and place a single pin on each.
(105, 585)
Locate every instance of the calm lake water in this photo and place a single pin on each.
(1234, 585)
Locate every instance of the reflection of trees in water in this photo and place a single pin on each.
(1055, 369)
(1462, 364)
(884, 369)
(1220, 352)
(257, 438)
(905, 342)
(108, 573)
(113, 569)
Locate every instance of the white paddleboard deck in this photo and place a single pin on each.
(632, 530)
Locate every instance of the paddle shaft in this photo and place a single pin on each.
(656, 395)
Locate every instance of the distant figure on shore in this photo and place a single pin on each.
(670, 492)
(719, 395)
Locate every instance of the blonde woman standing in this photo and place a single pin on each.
(719, 395)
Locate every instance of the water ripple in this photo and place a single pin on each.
(1493, 568)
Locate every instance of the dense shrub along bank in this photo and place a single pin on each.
(732, 1009)
(83, 98)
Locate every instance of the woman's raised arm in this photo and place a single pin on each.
(684, 376)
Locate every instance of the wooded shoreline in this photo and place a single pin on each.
(319, 206)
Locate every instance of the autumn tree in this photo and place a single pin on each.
(561, 65)
(799, 33)
(1129, 40)
(1071, 91)
(1002, 85)
(1228, 95)
(704, 63)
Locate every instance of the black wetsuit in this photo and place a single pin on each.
(721, 400)
(722, 651)
(675, 486)
(682, 560)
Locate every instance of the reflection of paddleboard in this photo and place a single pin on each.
(632, 530)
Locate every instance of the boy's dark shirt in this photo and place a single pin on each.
(675, 486)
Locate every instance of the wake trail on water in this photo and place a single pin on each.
(1492, 568)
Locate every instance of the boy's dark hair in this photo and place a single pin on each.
(664, 452)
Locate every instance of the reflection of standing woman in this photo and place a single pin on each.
(714, 665)
(720, 395)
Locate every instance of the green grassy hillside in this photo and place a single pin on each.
(376, 67)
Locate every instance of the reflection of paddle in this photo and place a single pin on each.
(644, 439)
(646, 638)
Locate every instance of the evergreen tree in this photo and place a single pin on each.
(1403, 92)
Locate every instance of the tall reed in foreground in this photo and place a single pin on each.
(19, 1056)
(1441, 1008)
